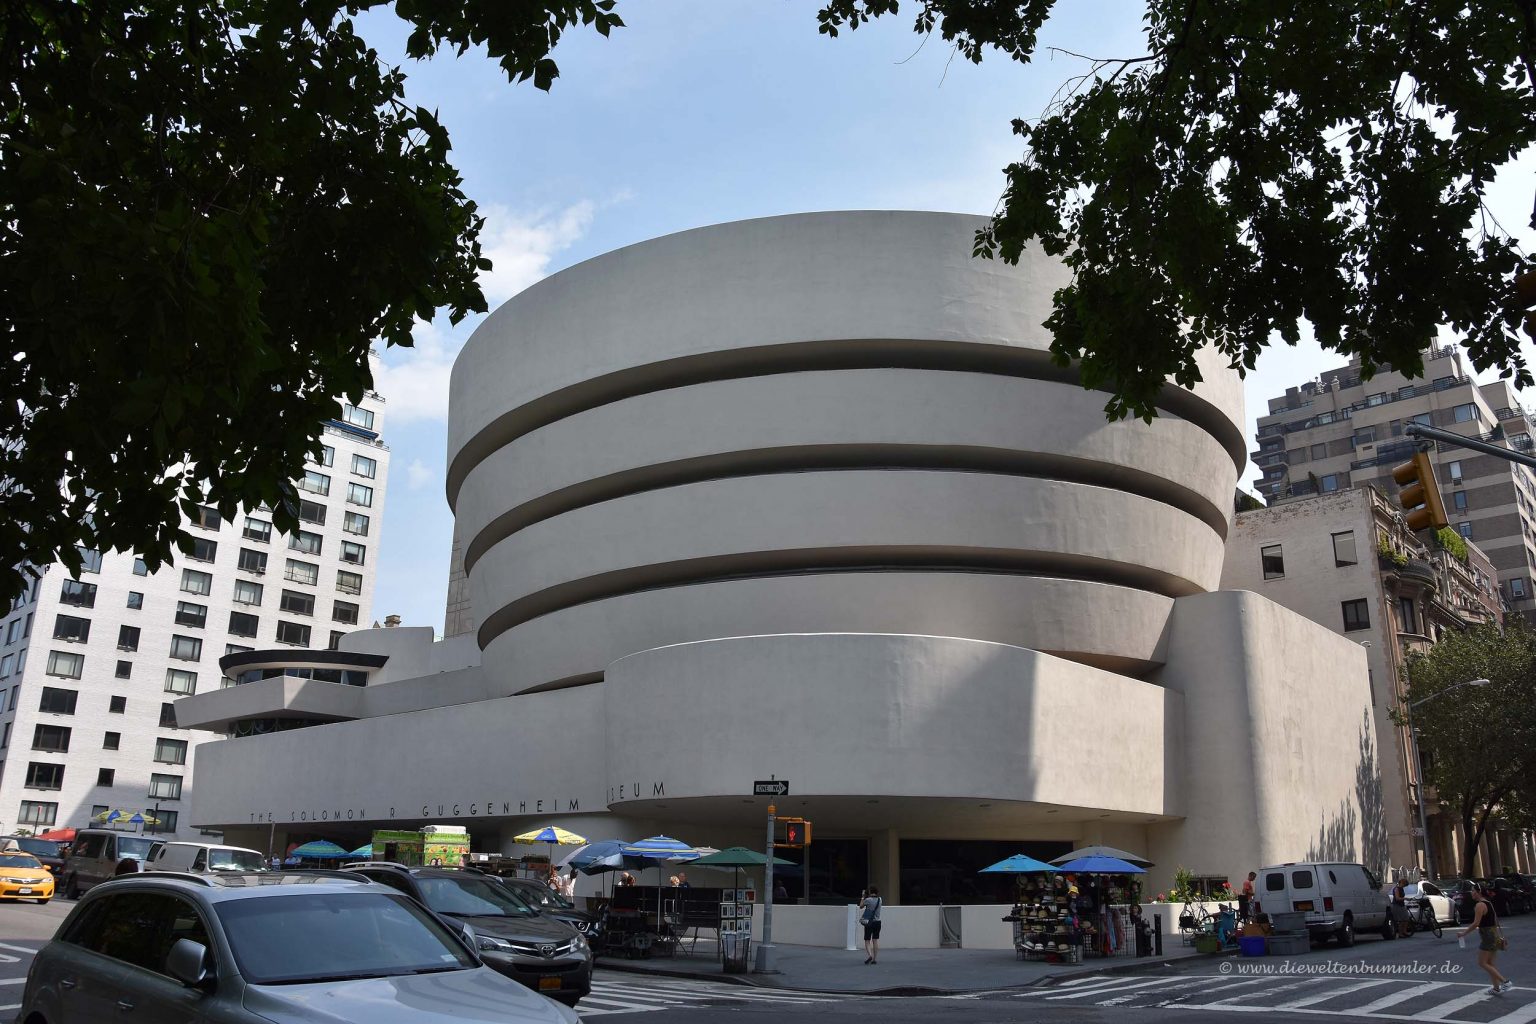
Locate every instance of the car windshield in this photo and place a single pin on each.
(39, 847)
(133, 846)
(19, 860)
(315, 937)
(236, 860)
(472, 896)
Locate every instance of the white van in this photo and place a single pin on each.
(1339, 900)
(204, 858)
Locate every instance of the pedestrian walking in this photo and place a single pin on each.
(871, 920)
(1245, 898)
(1485, 921)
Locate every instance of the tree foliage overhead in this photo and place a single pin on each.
(1479, 741)
(211, 211)
(1263, 164)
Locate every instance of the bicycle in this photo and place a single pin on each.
(1195, 920)
(1424, 919)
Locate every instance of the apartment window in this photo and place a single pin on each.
(104, 777)
(334, 643)
(207, 518)
(189, 614)
(349, 582)
(1329, 483)
(13, 631)
(111, 740)
(355, 522)
(1459, 500)
(140, 567)
(236, 649)
(1344, 549)
(73, 628)
(118, 705)
(298, 603)
(344, 611)
(312, 512)
(65, 664)
(135, 599)
(5, 665)
(1455, 469)
(1406, 615)
(127, 638)
(37, 812)
(124, 670)
(168, 721)
(167, 818)
(165, 787)
(258, 530)
(1357, 615)
(180, 681)
(1319, 451)
(5, 736)
(1365, 435)
(90, 560)
(77, 594)
(359, 494)
(195, 582)
(292, 633)
(26, 629)
(186, 648)
(363, 466)
(302, 572)
(243, 624)
(21, 663)
(1272, 559)
(15, 696)
(315, 483)
(327, 455)
(247, 592)
(1465, 413)
(304, 541)
(57, 701)
(41, 775)
(253, 561)
(1465, 529)
(1517, 588)
(1423, 419)
(353, 552)
(53, 739)
(204, 550)
(357, 417)
(171, 751)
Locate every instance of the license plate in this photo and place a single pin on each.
(23, 891)
(1303, 904)
(550, 982)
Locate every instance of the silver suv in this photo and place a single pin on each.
(290, 948)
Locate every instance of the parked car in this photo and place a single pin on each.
(312, 948)
(548, 901)
(97, 856)
(1417, 893)
(199, 858)
(45, 850)
(1458, 890)
(1506, 899)
(1522, 895)
(543, 953)
(23, 877)
(1340, 900)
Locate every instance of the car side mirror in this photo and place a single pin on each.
(187, 962)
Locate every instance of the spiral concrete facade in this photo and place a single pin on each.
(820, 468)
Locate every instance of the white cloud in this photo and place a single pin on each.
(414, 381)
(418, 475)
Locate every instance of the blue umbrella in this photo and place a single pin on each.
(364, 852)
(1102, 866)
(320, 849)
(1019, 864)
(596, 858)
(660, 848)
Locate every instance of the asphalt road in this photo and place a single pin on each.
(1422, 979)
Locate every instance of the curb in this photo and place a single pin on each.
(757, 981)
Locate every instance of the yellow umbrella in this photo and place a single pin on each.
(552, 834)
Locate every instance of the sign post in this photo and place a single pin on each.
(770, 787)
(765, 951)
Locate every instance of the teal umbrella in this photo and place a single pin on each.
(364, 852)
(320, 849)
(1018, 864)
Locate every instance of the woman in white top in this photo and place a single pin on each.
(871, 919)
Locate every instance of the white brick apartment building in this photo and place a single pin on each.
(90, 667)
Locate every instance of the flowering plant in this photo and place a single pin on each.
(1162, 897)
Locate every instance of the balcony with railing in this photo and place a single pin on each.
(1348, 411)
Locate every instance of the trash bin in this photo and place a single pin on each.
(734, 948)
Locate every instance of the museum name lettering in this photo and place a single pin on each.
(463, 809)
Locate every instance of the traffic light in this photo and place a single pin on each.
(1420, 495)
(791, 832)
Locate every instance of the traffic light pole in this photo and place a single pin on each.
(1456, 440)
(765, 951)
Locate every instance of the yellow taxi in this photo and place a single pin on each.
(23, 877)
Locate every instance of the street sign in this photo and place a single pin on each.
(770, 787)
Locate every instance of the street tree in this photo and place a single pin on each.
(1265, 165)
(211, 211)
(1478, 742)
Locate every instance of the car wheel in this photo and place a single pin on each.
(71, 888)
(44, 902)
(1346, 933)
(1389, 929)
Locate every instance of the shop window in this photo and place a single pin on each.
(1357, 615)
(1344, 549)
(1272, 559)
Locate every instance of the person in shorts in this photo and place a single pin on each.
(1485, 921)
(871, 919)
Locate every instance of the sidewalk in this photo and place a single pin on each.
(900, 972)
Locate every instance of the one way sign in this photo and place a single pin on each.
(770, 787)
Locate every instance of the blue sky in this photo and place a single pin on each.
(702, 111)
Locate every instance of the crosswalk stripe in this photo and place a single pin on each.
(1524, 1015)
(18, 949)
(723, 992)
(1296, 1004)
(1443, 1010)
(1400, 996)
(1118, 986)
(1267, 993)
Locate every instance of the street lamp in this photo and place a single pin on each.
(1418, 766)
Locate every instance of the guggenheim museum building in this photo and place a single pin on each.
(804, 499)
